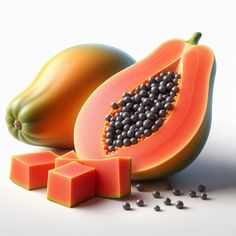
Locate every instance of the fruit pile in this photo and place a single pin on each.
(125, 120)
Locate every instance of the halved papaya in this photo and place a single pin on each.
(44, 113)
(182, 73)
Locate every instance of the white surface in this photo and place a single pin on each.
(32, 31)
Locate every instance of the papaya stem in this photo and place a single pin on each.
(17, 124)
(195, 38)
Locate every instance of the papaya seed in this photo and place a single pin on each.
(140, 112)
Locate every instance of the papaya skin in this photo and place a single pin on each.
(180, 140)
(45, 112)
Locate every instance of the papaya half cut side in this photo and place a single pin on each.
(185, 128)
(44, 113)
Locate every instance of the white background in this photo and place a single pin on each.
(32, 31)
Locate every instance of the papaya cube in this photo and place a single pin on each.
(71, 184)
(113, 175)
(31, 170)
(66, 158)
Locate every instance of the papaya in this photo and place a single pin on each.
(112, 178)
(44, 113)
(157, 111)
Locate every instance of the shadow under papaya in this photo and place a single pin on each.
(214, 169)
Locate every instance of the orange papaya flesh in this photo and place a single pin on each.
(178, 142)
(71, 184)
(44, 113)
(31, 170)
(112, 176)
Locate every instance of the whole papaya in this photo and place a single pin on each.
(45, 112)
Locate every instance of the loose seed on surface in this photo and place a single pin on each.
(176, 192)
(140, 187)
(192, 193)
(203, 196)
(179, 205)
(126, 206)
(157, 208)
(140, 202)
(167, 201)
(201, 188)
(156, 194)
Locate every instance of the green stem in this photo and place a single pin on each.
(194, 39)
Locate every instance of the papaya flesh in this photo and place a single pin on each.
(44, 113)
(185, 128)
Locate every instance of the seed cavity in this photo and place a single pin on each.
(141, 112)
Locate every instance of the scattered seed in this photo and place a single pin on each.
(192, 193)
(167, 201)
(179, 205)
(157, 208)
(140, 187)
(176, 192)
(156, 194)
(126, 206)
(203, 196)
(140, 202)
(201, 188)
